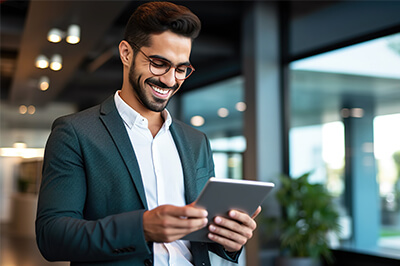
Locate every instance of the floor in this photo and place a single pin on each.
(21, 251)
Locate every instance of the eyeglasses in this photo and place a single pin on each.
(159, 66)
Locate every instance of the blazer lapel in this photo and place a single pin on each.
(115, 126)
(188, 164)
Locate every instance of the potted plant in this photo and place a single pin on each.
(308, 216)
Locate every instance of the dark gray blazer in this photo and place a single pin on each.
(92, 199)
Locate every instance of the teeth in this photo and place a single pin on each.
(159, 90)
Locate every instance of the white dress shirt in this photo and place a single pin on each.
(162, 175)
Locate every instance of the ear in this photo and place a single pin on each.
(125, 53)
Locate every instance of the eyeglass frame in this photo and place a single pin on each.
(164, 60)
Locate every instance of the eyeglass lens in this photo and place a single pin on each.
(160, 67)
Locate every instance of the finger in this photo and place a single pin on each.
(236, 237)
(256, 213)
(176, 217)
(234, 226)
(229, 245)
(243, 218)
(185, 211)
(169, 229)
(182, 230)
(189, 223)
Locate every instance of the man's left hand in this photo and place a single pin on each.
(233, 232)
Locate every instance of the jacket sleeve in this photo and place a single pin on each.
(217, 248)
(62, 232)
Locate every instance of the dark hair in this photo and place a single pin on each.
(157, 17)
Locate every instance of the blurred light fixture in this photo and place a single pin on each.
(357, 112)
(23, 109)
(74, 34)
(42, 62)
(223, 112)
(56, 62)
(22, 152)
(197, 121)
(19, 145)
(241, 106)
(44, 83)
(352, 112)
(31, 109)
(55, 35)
(345, 112)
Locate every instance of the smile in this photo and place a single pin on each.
(159, 90)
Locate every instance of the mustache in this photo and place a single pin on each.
(158, 83)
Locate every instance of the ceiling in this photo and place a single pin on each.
(91, 69)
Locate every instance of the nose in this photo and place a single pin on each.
(169, 77)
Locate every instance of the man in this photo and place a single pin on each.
(118, 178)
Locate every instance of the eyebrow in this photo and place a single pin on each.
(187, 63)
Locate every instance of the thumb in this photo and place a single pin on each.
(257, 212)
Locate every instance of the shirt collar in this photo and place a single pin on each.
(131, 117)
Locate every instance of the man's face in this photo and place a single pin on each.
(154, 92)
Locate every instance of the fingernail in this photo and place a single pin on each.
(218, 220)
(232, 214)
(205, 213)
(212, 228)
(205, 221)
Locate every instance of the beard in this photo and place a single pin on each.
(150, 102)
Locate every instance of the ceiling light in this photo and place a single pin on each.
(197, 121)
(31, 109)
(345, 112)
(223, 112)
(56, 62)
(23, 109)
(353, 112)
(42, 62)
(44, 83)
(19, 145)
(55, 35)
(241, 106)
(357, 112)
(74, 34)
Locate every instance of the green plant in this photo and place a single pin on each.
(396, 159)
(308, 216)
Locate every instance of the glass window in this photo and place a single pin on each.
(345, 128)
(217, 110)
(387, 154)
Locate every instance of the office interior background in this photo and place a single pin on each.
(280, 87)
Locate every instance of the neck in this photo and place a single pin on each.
(155, 125)
(155, 119)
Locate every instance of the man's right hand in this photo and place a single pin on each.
(168, 223)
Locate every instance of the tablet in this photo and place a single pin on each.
(219, 196)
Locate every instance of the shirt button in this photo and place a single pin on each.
(116, 251)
